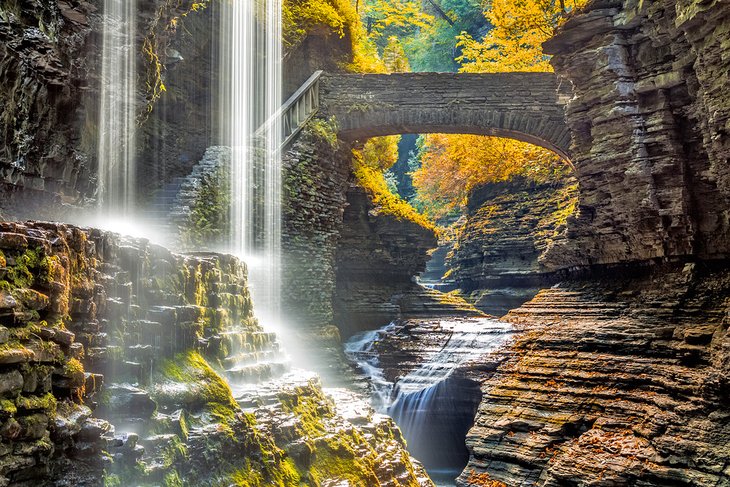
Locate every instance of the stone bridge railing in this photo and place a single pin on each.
(523, 106)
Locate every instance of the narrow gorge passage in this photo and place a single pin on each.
(418, 374)
(364, 243)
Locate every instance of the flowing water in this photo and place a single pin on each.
(424, 403)
(117, 111)
(250, 53)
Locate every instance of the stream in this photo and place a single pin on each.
(426, 402)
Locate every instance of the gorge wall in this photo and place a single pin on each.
(621, 379)
(377, 258)
(507, 227)
(50, 62)
(649, 120)
(616, 381)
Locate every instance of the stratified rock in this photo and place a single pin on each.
(608, 384)
(507, 227)
(649, 121)
(378, 257)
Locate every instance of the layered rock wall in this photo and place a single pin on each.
(506, 229)
(50, 59)
(616, 381)
(649, 122)
(378, 257)
(316, 178)
(45, 76)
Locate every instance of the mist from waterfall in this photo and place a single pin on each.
(116, 173)
(250, 52)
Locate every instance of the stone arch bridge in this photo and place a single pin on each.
(525, 106)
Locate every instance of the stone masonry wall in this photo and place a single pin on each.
(317, 171)
(524, 106)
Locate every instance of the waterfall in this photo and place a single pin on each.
(426, 401)
(117, 111)
(250, 87)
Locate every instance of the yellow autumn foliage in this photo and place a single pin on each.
(515, 41)
(451, 166)
(378, 155)
(302, 17)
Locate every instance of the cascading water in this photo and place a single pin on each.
(250, 87)
(425, 401)
(249, 58)
(117, 111)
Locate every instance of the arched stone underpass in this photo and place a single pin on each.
(524, 106)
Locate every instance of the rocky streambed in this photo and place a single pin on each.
(605, 381)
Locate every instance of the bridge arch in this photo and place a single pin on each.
(524, 106)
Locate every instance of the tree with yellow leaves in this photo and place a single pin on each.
(451, 166)
(515, 41)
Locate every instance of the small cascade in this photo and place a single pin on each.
(117, 111)
(433, 407)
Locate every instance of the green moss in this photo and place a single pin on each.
(46, 403)
(27, 265)
(172, 479)
(111, 480)
(8, 407)
(285, 474)
(209, 223)
(188, 380)
(310, 406)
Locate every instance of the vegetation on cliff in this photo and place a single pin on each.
(452, 166)
(369, 166)
(302, 18)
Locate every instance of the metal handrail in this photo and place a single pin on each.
(296, 111)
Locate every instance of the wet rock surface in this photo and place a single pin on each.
(611, 382)
(116, 361)
(333, 434)
(422, 373)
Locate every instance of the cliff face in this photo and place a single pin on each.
(378, 257)
(50, 61)
(507, 227)
(649, 120)
(45, 75)
(622, 381)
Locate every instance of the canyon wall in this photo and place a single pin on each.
(506, 228)
(45, 75)
(50, 62)
(377, 258)
(649, 120)
(614, 381)
(621, 379)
